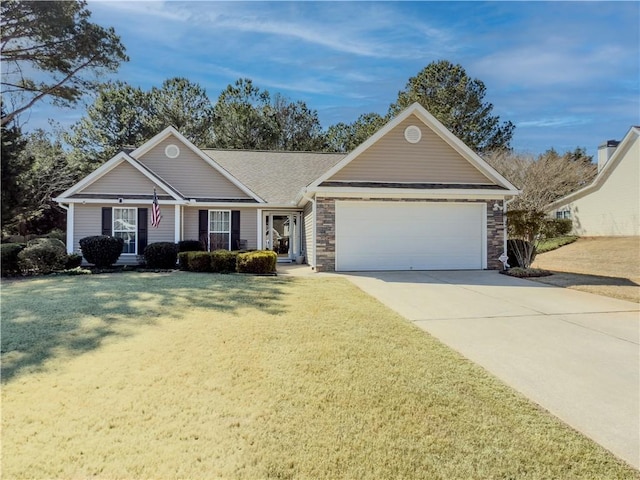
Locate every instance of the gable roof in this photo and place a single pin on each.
(276, 176)
(439, 129)
(147, 146)
(110, 165)
(632, 135)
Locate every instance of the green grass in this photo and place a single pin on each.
(212, 376)
(549, 244)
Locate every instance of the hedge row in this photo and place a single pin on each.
(224, 261)
(38, 256)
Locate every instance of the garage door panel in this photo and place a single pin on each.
(409, 236)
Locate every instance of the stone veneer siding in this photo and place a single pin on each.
(326, 228)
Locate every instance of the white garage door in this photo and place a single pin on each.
(409, 236)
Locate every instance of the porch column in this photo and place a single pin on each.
(70, 215)
(177, 222)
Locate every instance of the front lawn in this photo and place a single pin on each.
(211, 376)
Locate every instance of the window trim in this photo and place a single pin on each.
(136, 232)
(209, 231)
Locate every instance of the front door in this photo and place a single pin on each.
(282, 234)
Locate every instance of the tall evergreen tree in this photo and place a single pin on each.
(457, 101)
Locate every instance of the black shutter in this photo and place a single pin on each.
(107, 221)
(203, 228)
(142, 230)
(235, 230)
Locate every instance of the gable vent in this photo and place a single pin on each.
(172, 151)
(412, 134)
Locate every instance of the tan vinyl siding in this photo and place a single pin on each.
(307, 234)
(88, 222)
(393, 159)
(248, 224)
(189, 173)
(122, 180)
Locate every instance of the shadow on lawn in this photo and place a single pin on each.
(55, 316)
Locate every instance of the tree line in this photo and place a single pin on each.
(67, 55)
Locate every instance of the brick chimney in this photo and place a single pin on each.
(605, 150)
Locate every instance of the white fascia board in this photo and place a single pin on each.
(155, 179)
(602, 175)
(413, 193)
(222, 205)
(460, 147)
(93, 176)
(116, 201)
(438, 128)
(363, 146)
(137, 153)
(106, 168)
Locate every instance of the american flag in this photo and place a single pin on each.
(155, 211)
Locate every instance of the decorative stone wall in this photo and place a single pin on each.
(326, 228)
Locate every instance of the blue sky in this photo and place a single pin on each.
(566, 73)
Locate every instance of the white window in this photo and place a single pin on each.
(563, 214)
(125, 226)
(219, 230)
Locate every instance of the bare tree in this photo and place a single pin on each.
(545, 178)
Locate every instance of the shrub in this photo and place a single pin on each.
(43, 255)
(161, 255)
(74, 260)
(57, 234)
(190, 246)
(260, 261)
(9, 258)
(557, 227)
(183, 260)
(223, 261)
(518, 249)
(199, 261)
(101, 250)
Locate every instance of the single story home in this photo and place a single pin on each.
(411, 197)
(610, 205)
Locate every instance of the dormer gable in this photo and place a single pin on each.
(171, 156)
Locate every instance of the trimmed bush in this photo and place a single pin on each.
(199, 261)
(260, 262)
(161, 255)
(74, 260)
(101, 250)
(223, 261)
(9, 258)
(557, 227)
(43, 255)
(515, 245)
(183, 260)
(190, 246)
(57, 234)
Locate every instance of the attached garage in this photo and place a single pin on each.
(398, 235)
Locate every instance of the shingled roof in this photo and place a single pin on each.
(277, 177)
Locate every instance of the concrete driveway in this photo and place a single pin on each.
(576, 354)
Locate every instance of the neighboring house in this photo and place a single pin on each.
(412, 197)
(610, 206)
